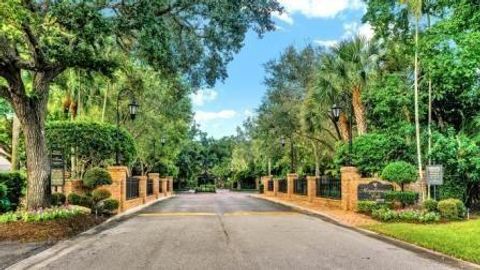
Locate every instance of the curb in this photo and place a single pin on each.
(41, 260)
(427, 253)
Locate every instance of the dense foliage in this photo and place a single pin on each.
(400, 172)
(95, 177)
(15, 183)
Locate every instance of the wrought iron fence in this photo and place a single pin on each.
(300, 186)
(270, 185)
(160, 188)
(149, 187)
(282, 185)
(133, 187)
(329, 187)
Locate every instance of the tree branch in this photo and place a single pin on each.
(35, 47)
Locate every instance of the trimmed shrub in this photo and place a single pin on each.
(452, 209)
(16, 184)
(58, 199)
(81, 200)
(4, 202)
(404, 197)
(95, 143)
(413, 216)
(96, 177)
(372, 152)
(430, 205)
(100, 195)
(400, 172)
(366, 207)
(385, 214)
(110, 205)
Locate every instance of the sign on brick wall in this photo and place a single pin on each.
(373, 191)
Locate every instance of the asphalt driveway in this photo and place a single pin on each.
(230, 231)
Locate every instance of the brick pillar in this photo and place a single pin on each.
(350, 179)
(290, 178)
(156, 178)
(170, 183)
(142, 181)
(275, 187)
(311, 187)
(164, 183)
(118, 188)
(265, 180)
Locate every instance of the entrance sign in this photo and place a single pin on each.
(434, 175)
(373, 191)
(57, 168)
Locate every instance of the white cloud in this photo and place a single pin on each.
(202, 116)
(326, 43)
(320, 8)
(203, 96)
(354, 28)
(284, 17)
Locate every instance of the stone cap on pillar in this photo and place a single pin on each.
(155, 175)
(349, 169)
(120, 169)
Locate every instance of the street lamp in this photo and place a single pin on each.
(335, 111)
(133, 110)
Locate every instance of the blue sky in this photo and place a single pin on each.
(221, 109)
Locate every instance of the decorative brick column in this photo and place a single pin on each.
(265, 180)
(156, 178)
(118, 188)
(164, 182)
(311, 187)
(290, 178)
(142, 182)
(350, 179)
(275, 187)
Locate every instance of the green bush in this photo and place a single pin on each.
(404, 197)
(96, 177)
(43, 215)
(80, 200)
(366, 207)
(400, 172)
(413, 216)
(16, 184)
(95, 143)
(430, 205)
(206, 188)
(4, 202)
(58, 199)
(372, 152)
(452, 209)
(110, 205)
(100, 195)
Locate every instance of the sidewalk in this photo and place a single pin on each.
(346, 218)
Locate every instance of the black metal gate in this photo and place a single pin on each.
(133, 187)
(149, 187)
(300, 186)
(282, 185)
(329, 187)
(270, 185)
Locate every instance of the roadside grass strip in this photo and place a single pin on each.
(457, 239)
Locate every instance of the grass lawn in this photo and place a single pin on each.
(458, 239)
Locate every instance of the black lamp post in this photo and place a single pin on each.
(133, 110)
(336, 110)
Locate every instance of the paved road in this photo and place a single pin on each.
(231, 231)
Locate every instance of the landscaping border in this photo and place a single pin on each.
(424, 252)
(46, 256)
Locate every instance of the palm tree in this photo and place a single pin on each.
(415, 7)
(344, 73)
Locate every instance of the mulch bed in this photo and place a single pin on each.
(50, 231)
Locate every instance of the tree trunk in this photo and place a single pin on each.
(31, 112)
(359, 111)
(343, 126)
(16, 129)
(417, 117)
